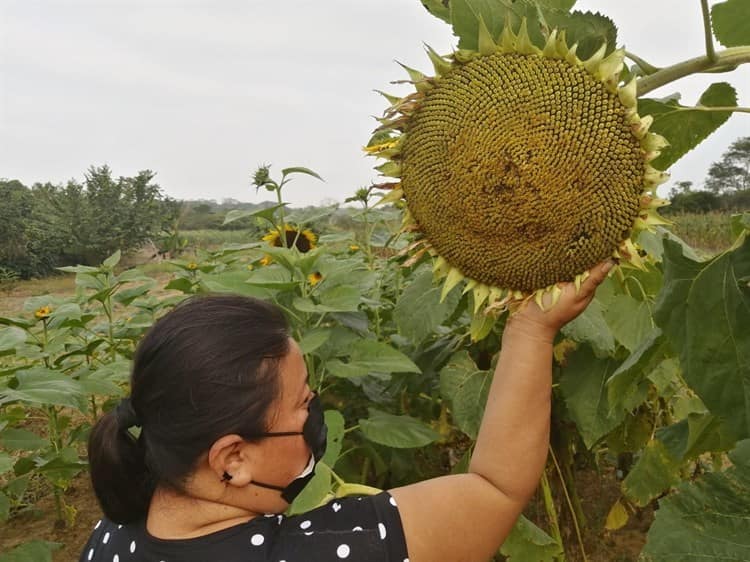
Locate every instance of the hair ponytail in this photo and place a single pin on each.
(118, 471)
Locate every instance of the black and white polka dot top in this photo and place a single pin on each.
(361, 529)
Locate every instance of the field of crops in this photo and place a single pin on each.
(388, 356)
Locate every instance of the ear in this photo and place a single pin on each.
(230, 454)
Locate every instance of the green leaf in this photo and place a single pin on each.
(708, 519)
(438, 8)
(583, 385)
(419, 310)
(42, 386)
(655, 472)
(686, 127)
(466, 14)
(335, 438)
(628, 386)
(731, 22)
(300, 170)
(60, 468)
(112, 260)
(400, 432)
(466, 387)
(587, 29)
(591, 327)
(335, 299)
(527, 543)
(699, 433)
(629, 320)
(11, 337)
(267, 214)
(6, 462)
(180, 284)
(313, 339)
(126, 296)
(21, 440)
(315, 493)
(34, 551)
(4, 507)
(704, 310)
(381, 357)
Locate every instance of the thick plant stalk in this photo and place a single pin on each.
(724, 59)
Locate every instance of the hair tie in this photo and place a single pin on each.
(126, 416)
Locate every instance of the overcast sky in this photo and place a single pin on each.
(202, 91)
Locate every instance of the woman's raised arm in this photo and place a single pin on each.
(466, 517)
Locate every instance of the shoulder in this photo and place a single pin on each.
(109, 540)
(355, 528)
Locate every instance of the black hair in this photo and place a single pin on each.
(208, 368)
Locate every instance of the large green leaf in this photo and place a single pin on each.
(400, 432)
(587, 29)
(6, 462)
(629, 320)
(706, 520)
(419, 310)
(335, 424)
(686, 127)
(466, 387)
(731, 22)
(655, 472)
(42, 387)
(11, 337)
(14, 439)
(583, 385)
(697, 434)
(366, 356)
(628, 386)
(591, 327)
(438, 8)
(316, 491)
(466, 15)
(528, 543)
(34, 551)
(704, 310)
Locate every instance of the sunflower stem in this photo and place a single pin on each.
(727, 58)
(282, 227)
(710, 52)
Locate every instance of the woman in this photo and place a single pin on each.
(230, 432)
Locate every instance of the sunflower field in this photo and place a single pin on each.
(400, 315)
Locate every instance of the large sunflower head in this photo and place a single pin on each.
(303, 240)
(521, 167)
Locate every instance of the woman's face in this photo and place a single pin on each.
(282, 459)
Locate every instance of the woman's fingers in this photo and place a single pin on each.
(597, 275)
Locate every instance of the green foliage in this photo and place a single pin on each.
(704, 310)
(527, 543)
(708, 519)
(731, 22)
(34, 551)
(685, 127)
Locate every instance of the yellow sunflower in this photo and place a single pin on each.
(303, 240)
(520, 167)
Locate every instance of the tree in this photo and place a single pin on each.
(91, 220)
(732, 172)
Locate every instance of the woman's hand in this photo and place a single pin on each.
(536, 323)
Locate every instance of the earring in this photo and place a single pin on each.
(226, 477)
